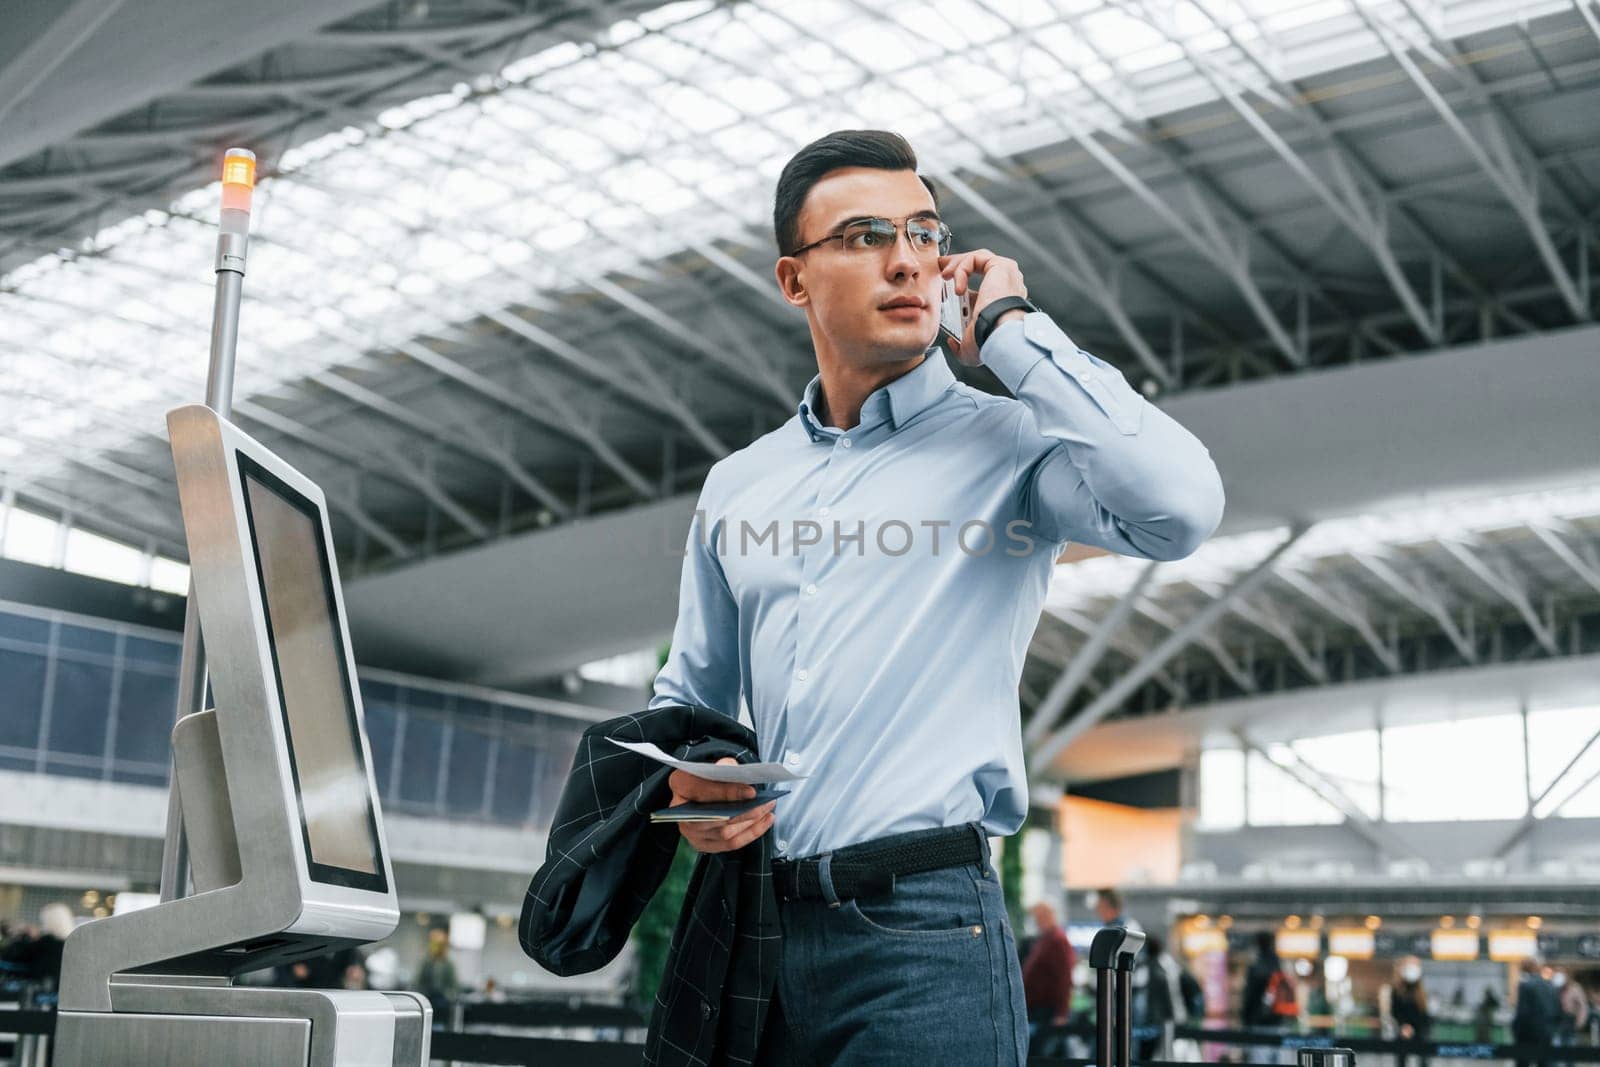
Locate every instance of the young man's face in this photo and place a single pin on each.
(844, 290)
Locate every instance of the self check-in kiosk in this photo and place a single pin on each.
(279, 806)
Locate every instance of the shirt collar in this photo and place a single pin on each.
(899, 401)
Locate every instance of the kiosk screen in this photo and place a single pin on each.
(314, 684)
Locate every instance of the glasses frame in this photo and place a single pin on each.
(901, 225)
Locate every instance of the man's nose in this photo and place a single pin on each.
(903, 257)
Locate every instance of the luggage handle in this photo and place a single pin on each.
(1114, 949)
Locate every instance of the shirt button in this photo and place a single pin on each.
(824, 512)
(845, 441)
(811, 589)
(792, 760)
(802, 674)
(782, 844)
(1084, 376)
(705, 1009)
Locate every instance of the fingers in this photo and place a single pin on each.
(689, 787)
(735, 833)
(960, 266)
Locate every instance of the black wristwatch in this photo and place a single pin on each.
(988, 316)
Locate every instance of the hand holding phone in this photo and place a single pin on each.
(955, 311)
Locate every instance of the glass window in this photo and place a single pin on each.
(1455, 771)
(86, 639)
(169, 576)
(514, 770)
(1349, 762)
(80, 707)
(556, 750)
(480, 710)
(469, 766)
(30, 538)
(382, 723)
(156, 654)
(101, 557)
(147, 703)
(1278, 798)
(23, 628)
(419, 760)
(1554, 739)
(21, 698)
(1221, 789)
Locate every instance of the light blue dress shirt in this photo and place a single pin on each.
(871, 592)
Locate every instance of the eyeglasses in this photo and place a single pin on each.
(929, 237)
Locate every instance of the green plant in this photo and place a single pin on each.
(652, 934)
(1011, 876)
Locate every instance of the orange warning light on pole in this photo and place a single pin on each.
(239, 167)
(238, 178)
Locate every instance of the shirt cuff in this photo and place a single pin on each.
(1009, 354)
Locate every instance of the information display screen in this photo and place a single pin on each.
(314, 684)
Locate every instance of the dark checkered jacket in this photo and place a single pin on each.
(605, 860)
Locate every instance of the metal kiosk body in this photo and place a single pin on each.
(279, 806)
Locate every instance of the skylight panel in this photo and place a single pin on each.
(1221, 560)
(695, 108)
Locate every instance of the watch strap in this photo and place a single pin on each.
(989, 315)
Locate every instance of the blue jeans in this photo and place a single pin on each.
(926, 975)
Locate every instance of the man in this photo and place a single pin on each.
(436, 978)
(1538, 1009)
(1108, 909)
(1269, 998)
(1171, 995)
(1047, 973)
(868, 577)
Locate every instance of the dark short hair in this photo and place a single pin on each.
(841, 148)
(1109, 896)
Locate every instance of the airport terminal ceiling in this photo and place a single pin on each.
(511, 267)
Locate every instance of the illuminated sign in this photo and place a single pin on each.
(1196, 942)
(1299, 944)
(1508, 946)
(1454, 944)
(1352, 942)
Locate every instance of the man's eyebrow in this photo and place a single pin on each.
(928, 214)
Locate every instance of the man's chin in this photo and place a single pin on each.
(905, 343)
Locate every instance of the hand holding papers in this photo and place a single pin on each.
(741, 773)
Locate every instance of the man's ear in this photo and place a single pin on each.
(790, 284)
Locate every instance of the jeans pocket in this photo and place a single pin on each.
(942, 904)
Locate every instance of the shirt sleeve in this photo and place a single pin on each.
(1096, 462)
(702, 667)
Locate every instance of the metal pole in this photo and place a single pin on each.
(1124, 1017)
(1102, 1018)
(238, 178)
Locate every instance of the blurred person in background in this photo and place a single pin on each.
(1407, 1005)
(1108, 909)
(1573, 1004)
(355, 976)
(1538, 1010)
(39, 958)
(1047, 978)
(1269, 1001)
(436, 978)
(1483, 1017)
(1171, 995)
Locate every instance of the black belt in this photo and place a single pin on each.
(870, 867)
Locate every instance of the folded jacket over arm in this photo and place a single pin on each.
(605, 860)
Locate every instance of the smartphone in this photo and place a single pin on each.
(955, 311)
